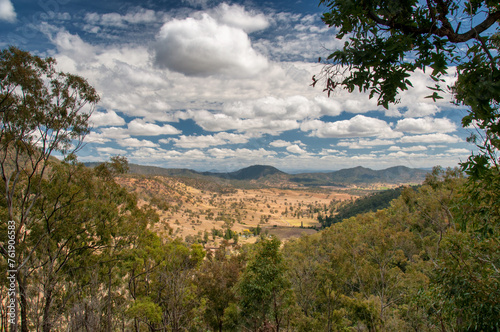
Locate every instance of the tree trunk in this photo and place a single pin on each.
(46, 323)
(23, 302)
(108, 328)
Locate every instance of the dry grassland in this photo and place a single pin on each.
(189, 212)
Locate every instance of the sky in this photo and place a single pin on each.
(222, 85)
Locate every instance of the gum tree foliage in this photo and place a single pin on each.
(42, 113)
(387, 40)
(266, 299)
(216, 280)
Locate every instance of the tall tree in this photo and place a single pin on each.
(266, 298)
(42, 112)
(216, 280)
(161, 283)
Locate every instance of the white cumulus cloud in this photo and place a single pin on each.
(205, 47)
(141, 128)
(296, 149)
(425, 125)
(358, 126)
(7, 12)
(238, 17)
(109, 118)
(205, 141)
(136, 143)
(431, 138)
(280, 144)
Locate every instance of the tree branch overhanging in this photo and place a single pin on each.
(446, 30)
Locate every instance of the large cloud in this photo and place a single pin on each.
(205, 47)
(7, 12)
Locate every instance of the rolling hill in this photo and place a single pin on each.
(254, 172)
(266, 175)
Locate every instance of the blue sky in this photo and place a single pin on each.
(221, 85)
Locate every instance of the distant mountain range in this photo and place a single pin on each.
(263, 174)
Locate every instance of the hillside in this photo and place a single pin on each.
(269, 176)
(398, 174)
(254, 172)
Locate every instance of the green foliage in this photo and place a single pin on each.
(265, 294)
(383, 45)
(377, 271)
(215, 282)
(145, 310)
(369, 203)
(468, 281)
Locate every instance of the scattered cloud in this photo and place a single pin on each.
(104, 119)
(431, 138)
(211, 121)
(426, 125)
(421, 110)
(280, 144)
(136, 143)
(364, 143)
(296, 149)
(138, 127)
(238, 17)
(459, 151)
(200, 142)
(408, 148)
(244, 77)
(196, 3)
(139, 16)
(241, 154)
(272, 108)
(114, 133)
(358, 126)
(96, 138)
(111, 151)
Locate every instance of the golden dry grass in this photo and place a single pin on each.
(190, 212)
